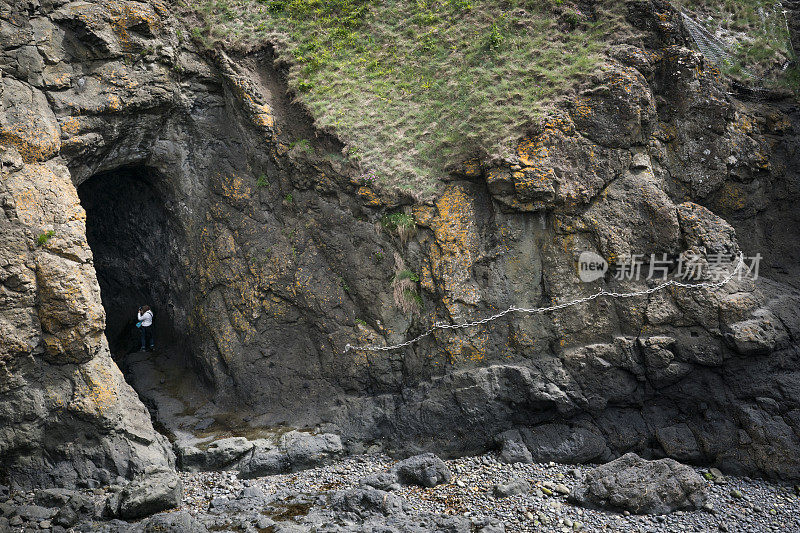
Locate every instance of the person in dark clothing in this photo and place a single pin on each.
(145, 317)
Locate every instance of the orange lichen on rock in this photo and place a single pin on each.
(28, 124)
(456, 249)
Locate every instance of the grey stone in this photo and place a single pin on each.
(639, 486)
(190, 458)
(304, 450)
(73, 510)
(251, 492)
(756, 336)
(265, 460)
(361, 503)
(562, 444)
(178, 522)
(425, 470)
(383, 481)
(513, 449)
(35, 512)
(512, 488)
(155, 490)
(295, 450)
(55, 497)
(224, 453)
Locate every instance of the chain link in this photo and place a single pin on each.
(538, 310)
(716, 50)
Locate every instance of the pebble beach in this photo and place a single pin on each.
(734, 503)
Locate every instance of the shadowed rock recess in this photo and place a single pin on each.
(263, 257)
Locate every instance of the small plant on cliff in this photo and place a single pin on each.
(302, 146)
(288, 198)
(404, 288)
(344, 284)
(400, 223)
(42, 239)
(369, 178)
(262, 181)
(495, 37)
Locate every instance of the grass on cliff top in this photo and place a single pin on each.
(757, 36)
(414, 86)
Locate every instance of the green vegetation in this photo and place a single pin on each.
(262, 181)
(345, 286)
(756, 35)
(302, 146)
(413, 87)
(407, 274)
(361, 322)
(404, 288)
(42, 239)
(400, 223)
(288, 198)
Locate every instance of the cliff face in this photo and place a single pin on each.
(265, 257)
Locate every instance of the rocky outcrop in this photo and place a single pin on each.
(425, 470)
(261, 256)
(289, 452)
(639, 486)
(157, 489)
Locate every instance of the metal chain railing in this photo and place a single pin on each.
(716, 50)
(534, 310)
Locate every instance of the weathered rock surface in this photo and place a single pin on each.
(157, 489)
(633, 484)
(512, 488)
(291, 451)
(425, 470)
(512, 448)
(360, 503)
(294, 451)
(264, 263)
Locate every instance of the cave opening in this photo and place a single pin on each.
(135, 242)
(139, 249)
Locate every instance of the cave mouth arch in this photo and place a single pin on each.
(139, 248)
(135, 241)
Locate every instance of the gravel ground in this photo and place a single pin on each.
(735, 504)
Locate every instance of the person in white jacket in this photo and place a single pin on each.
(145, 317)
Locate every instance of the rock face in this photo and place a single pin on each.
(633, 484)
(292, 451)
(186, 175)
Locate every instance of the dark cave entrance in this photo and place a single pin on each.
(141, 256)
(140, 250)
(136, 244)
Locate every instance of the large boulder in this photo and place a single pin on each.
(295, 450)
(362, 502)
(563, 444)
(639, 486)
(158, 489)
(179, 522)
(72, 505)
(425, 470)
(223, 453)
